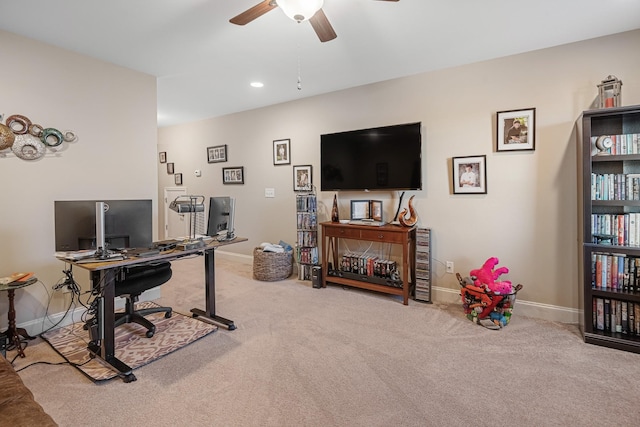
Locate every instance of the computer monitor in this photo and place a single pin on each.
(127, 224)
(221, 216)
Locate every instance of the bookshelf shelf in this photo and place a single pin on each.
(610, 229)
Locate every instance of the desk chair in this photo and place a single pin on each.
(131, 284)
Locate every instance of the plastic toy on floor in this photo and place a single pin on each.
(486, 300)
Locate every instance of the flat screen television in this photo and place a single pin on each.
(127, 224)
(383, 158)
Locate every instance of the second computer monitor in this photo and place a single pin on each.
(221, 214)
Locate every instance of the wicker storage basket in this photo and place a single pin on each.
(272, 266)
(480, 307)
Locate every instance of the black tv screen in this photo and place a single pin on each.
(383, 158)
(127, 224)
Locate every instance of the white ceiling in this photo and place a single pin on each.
(204, 64)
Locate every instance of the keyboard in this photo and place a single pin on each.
(142, 252)
(366, 222)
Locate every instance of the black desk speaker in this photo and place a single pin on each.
(316, 277)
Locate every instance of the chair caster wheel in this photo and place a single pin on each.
(168, 314)
(149, 334)
(129, 378)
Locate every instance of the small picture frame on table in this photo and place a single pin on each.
(178, 178)
(375, 210)
(516, 130)
(233, 175)
(162, 156)
(360, 209)
(470, 175)
(170, 168)
(217, 153)
(281, 152)
(302, 178)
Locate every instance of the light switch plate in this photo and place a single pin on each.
(270, 192)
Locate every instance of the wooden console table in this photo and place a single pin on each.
(332, 232)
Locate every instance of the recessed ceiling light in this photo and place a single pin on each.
(257, 84)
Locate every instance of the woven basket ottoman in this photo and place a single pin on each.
(272, 266)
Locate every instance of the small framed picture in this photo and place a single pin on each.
(281, 152)
(360, 209)
(217, 153)
(178, 178)
(516, 130)
(302, 178)
(470, 175)
(163, 156)
(375, 210)
(233, 175)
(170, 168)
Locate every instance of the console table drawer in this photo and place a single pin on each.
(382, 235)
(342, 232)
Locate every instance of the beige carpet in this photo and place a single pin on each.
(339, 357)
(132, 346)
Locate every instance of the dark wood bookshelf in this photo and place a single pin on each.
(623, 291)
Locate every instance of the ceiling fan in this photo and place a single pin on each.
(298, 10)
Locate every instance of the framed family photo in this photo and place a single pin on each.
(233, 175)
(281, 152)
(470, 175)
(375, 208)
(170, 168)
(360, 209)
(178, 178)
(217, 153)
(302, 178)
(163, 156)
(516, 130)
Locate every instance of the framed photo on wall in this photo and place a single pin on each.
(170, 168)
(470, 175)
(281, 152)
(217, 153)
(302, 178)
(178, 178)
(163, 156)
(233, 175)
(516, 130)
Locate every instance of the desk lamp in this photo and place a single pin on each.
(189, 204)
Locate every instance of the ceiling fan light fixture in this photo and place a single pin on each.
(300, 10)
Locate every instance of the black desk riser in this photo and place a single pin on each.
(103, 274)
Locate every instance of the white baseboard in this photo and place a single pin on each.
(549, 312)
(245, 259)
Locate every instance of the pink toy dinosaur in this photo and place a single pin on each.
(486, 275)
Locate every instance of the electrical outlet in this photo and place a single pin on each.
(449, 266)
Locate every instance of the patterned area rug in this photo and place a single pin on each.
(132, 346)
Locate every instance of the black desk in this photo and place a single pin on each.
(103, 276)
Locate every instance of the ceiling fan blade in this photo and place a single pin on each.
(255, 12)
(322, 27)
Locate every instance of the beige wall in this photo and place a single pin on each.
(528, 218)
(113, 112)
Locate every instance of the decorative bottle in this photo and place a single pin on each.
(334, 211)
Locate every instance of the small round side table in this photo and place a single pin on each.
(13, 333)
